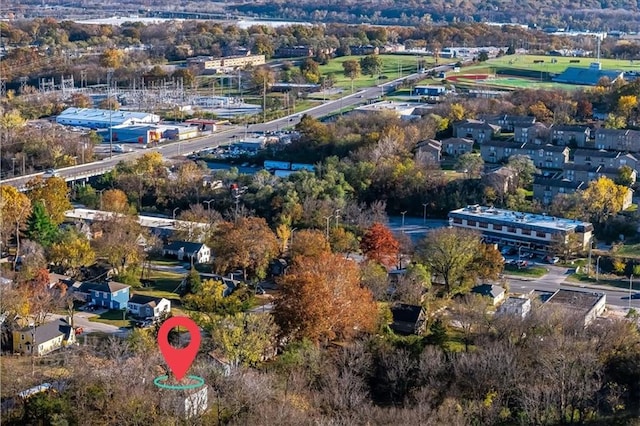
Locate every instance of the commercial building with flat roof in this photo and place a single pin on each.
(587, 305)
(103, 118)
(511, 228)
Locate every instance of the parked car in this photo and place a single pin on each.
(552, 259)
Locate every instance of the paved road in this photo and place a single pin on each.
(556, 279)
(229, 133)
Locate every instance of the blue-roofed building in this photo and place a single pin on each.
(587, 76)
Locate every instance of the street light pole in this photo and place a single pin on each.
(328, 218)
(208, 202)
(337, 213)
(630, 287)
(597, 267)
(403, 213)
(174, 212)
(589, 262)
(424, 216)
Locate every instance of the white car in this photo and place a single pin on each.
(49, 173)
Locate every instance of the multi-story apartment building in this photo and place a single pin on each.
(209, 63)
(477, 130)
(612, 159)
(536, 133)
(455, 147)
(543, 156)
(546, 189)
(617, 140)
(511, 228)
(508, 123)
(570, 135)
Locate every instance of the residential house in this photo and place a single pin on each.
(408, 319)
(588, 172)
(617, 140)
(479, 131)
(197, 252)
(605, 158)
(43, 339)
(516, 306)
(430, 147)
(545, 189)
(144, 306)
(508, 123)
(455, 147)
(570, 135)
(536, 133)
(110, 295)
(494, 293)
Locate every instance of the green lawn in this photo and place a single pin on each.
(533, 271)
(526, 62)
(609, 280)
(627, 250)
(164, 284)
(391, 66)
(112, 317)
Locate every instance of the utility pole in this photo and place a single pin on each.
(264, 98)
(109, 73)
(424, 217)
(630, 287)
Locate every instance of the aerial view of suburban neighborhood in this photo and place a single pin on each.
(319, 213)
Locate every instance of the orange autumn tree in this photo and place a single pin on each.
(379, 244)
(321, 299)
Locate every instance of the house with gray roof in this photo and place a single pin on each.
(185, 250)
(143, 306)
(588, 172)
(407, 319)
(110, 295)
(508, 122)
(516, 306)
(494, 293)
(43, 339)
(543, 156)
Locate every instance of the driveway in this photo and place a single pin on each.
(81, 319)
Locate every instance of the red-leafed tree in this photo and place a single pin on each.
(379, 244)
(321, 299)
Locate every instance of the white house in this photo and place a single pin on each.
(148, 306)
(198, 252)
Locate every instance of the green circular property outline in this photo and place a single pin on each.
(157, 381)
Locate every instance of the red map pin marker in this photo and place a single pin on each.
(179, 360)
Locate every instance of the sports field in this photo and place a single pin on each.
(528, 62)
(490, 82)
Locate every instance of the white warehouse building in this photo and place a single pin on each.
(102, 118)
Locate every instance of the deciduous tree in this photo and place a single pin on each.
(119, 242)
(449, 254)
(470, 164)
(321, 299)
(115, 200)
(524, 167)
(371, 65)
(603, 198)
(72, 252)
(245, 339)
(310, 243)
(54, 194)
(379, 244)
(351, 70)
(247, 243)
(15, 208)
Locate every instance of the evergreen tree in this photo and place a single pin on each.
(40, 227)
